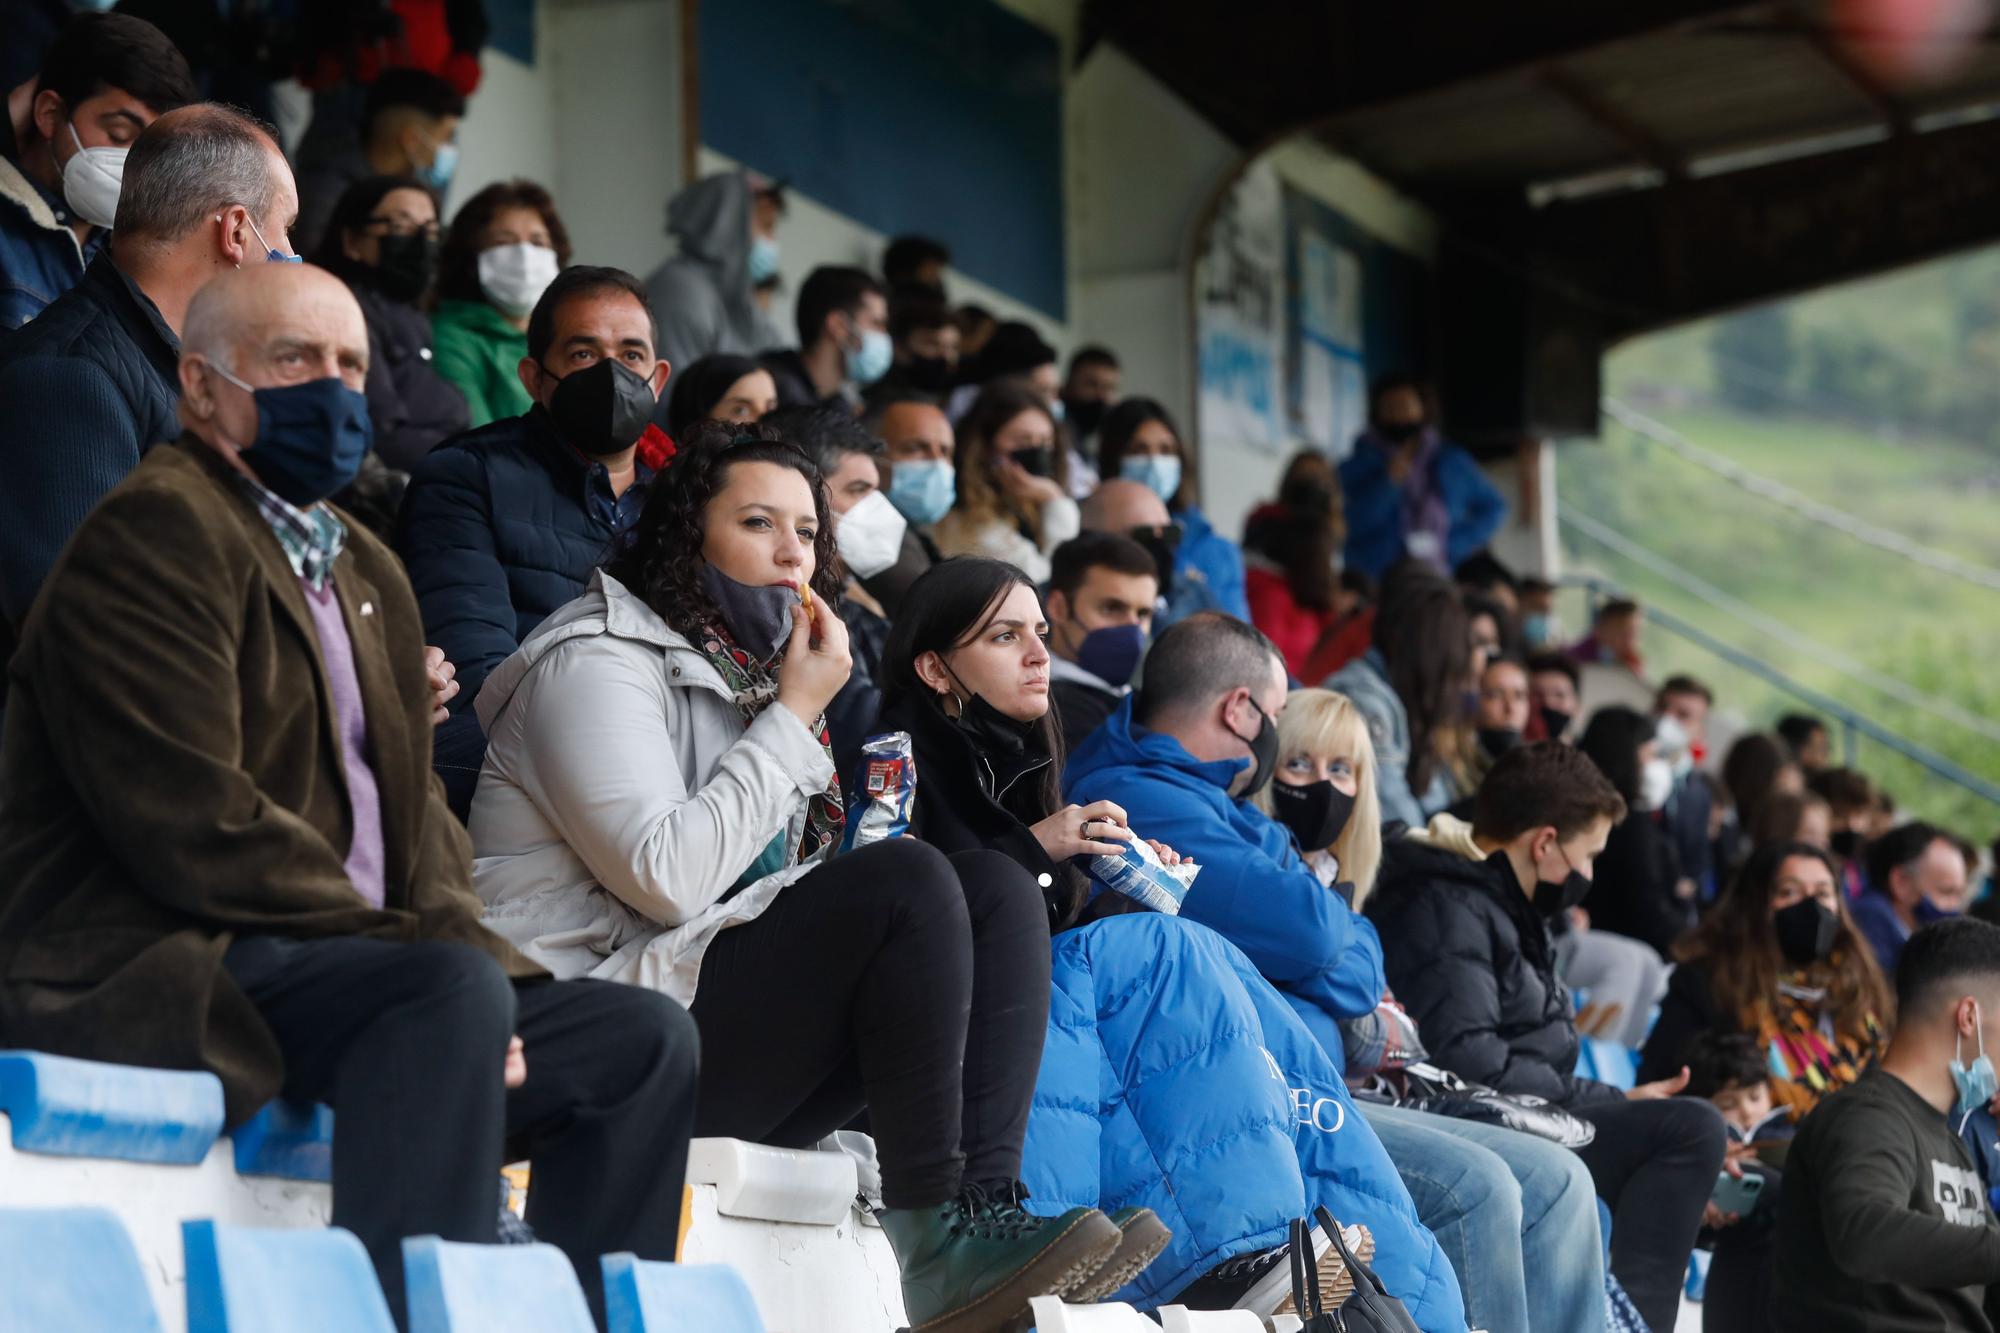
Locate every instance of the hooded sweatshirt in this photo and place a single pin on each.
(702, 297)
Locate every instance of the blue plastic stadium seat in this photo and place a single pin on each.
(1609, 1062)
(457, 1288)
(257, 1280)
(1697, 1277)
(72, 1269)
(84, 1108)
(287, 1139)
(643, 1296)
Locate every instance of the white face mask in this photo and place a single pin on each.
(515, 276)
(869, 536)
(91, 180)
(1656, 784)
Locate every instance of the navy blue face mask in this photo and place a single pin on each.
(311, 437)
(1112, 654)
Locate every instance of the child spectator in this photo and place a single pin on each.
(1730, 1072)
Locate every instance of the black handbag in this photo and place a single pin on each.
(1441, 1092)
(1369, 1308)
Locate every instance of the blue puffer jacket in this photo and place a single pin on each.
(1207, 552)
(1254, 889)
(1151, 1018)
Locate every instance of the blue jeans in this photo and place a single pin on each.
(1504, 1206)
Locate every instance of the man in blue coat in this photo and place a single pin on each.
(1182, 757)
(503, 524)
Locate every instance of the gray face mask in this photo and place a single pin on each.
(759, 616)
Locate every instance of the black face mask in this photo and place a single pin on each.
(602, 409)
(1263, 752)
(992, 731)
(1309, 497)
(1084, 415)
(1496, 741)
(1556, 722)
(1036, 462)
(407, 266)
(1400, 432)
(1846, 844)
(1316, 813)
(1164, 545)
(1552, 899)
(929, 374)
(760, 618)
(1806, 931)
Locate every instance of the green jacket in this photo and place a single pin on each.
(171, 779)
(477, 350)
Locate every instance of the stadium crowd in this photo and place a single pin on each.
(449, 681)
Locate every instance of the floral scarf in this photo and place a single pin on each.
(1808, 1058)
(754, 687)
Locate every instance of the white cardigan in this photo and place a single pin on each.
(622, 796)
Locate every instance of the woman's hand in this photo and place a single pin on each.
(1023, 486)
(816, 662)
(1097, 829)
(442, 677)
(1168, 856)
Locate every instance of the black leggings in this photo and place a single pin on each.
(1655, 1163)
(891, 978)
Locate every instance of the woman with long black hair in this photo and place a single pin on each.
(1207, 1140)
(1636, 893)
(659, 806)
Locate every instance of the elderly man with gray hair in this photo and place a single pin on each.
(89, 384)
(222, 846)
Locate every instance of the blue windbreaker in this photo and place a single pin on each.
(1217, 559)
(1175, 1079)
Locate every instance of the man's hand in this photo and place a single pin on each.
(1660, 1091)
(514, 1071)
(443, 678)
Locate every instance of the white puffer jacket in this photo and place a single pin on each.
(622, 796)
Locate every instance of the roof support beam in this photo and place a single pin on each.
(1646, 145)
(1895, 116)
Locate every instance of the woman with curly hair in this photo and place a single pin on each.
(659, 806)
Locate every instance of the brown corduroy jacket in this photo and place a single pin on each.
(170, 779)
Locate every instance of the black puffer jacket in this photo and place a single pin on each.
(413, 407)
(1472, 961)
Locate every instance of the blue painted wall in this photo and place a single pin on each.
(940, 117)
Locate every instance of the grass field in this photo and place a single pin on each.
(1933, 631)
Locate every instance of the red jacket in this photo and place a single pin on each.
(1295, 629)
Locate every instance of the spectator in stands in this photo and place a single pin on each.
(1411, 492)
(1807, 738)
(1614, 638)
(1189, 757)
(1501, 714)
(719, 387)
(1851, 800)
(967, 682)
(726, 230)
(1541, 631)
(915, 261)
(1102, 590)
(231, 840)
(1780, 960)
(1323, 790)
(1490, 626)
(868, 532)
(1139, 442)
(90, 384)
(1411, 686)
(1681, 708)
(1916, 875)
(1557, 687)
(843, 322)
(505, 247)
(1291, 557)
(921, 445)
(1090, 390)
(1793, 817)
(1636, 891)
(1485, 574)
(1013, 498)
(1756, 768)
(107, 78)
(659, 807)
(976, 325)
(923, 344)
(409, 128)
(1885, 1222)
(1013, 351)
(382, 241)
(504, 524)
(1729, 1073)
(1463, 920)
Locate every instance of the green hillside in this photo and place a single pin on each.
(1848, 444)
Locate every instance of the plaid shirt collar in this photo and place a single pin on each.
(312, 538)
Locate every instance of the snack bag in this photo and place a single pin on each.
(888, 786)
(1140, 875)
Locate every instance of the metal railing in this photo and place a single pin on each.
(1853, 725)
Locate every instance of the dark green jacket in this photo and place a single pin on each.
(170, 778)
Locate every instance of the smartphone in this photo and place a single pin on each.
(1737, 1196)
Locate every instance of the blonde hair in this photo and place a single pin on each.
(1322, 722)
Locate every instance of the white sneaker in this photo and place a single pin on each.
(1271, 1294)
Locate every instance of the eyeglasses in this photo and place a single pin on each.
(402, 226)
